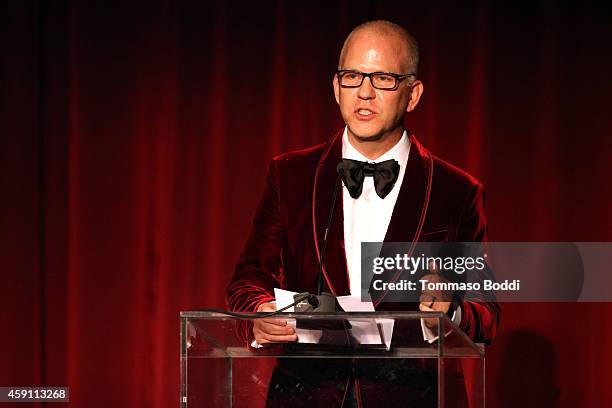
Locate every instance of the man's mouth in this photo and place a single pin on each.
(364, 114)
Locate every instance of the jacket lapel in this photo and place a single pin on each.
(335, 268)
(412, 196)
(410, 208)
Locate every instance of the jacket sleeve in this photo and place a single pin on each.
(259, 268)
(480, 312)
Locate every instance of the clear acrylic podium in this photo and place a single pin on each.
(378, 358)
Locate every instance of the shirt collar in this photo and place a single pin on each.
(398, 152)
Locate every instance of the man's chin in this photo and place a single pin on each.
(365, 135)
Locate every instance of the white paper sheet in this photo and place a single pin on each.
(367, 331)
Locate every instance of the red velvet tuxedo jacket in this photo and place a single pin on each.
(436, 202)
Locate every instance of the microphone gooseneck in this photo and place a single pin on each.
(301, 297)
(324, 245)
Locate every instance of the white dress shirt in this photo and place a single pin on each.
(367, 217)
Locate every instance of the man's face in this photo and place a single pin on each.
(371, 113)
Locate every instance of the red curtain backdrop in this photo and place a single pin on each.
(134, 139)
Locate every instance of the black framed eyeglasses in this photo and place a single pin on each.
(388, 81)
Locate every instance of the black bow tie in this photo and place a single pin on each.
(353, 172)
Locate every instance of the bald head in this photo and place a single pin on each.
(408, 48)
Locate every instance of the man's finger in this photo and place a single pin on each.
(432, 323)
(268, 308)
(274, 328)
(425, 308)
(435, 307)
(272, 338)
(276, 322)
(427, 298)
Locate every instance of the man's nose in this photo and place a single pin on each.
(366, 90)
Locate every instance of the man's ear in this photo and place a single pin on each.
(336, 89)
(415, 95)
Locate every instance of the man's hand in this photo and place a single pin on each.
(435, 300)
(272, 330)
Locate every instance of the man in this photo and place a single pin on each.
(426, 199)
